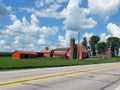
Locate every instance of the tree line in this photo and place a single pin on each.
(97, 47)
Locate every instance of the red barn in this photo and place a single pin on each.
(82, 52)
(47, 52)
(79, 51)
(23, 54)
(61, 52)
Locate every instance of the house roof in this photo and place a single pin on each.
(46, 51)
(82, 48)
(25, 52)
(61, 49)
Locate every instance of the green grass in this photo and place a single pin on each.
(7, 63)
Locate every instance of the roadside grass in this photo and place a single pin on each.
(7, 63)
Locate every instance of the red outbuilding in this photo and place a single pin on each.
(23, 54)
(79, 51)
(82, 52)
(61, 52)
(106, 53)
(47, 52)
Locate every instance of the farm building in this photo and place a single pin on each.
(47, 52)
(77, 50)
(61, 52)
(23, 54)
(39, 54)
(71, 52)
(82, 51)
(106, 54)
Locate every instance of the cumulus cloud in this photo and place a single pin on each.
(76, 17)
(47, 12)
(42, 3)
(47, 8)
(39, 3)
(4, 10)
(103, 37)
(64, 41)
(113, 29)
(88, 35)
(45, 33)
(3, 45)
(104, 8)
(26, 35)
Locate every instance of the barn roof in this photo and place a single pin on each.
(25, 52)
(46, 51)
(61, 49)
(60, 52)
(82, 48)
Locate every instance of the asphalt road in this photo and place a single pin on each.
(84, 77)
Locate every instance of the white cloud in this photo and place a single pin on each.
(76, 17)
(3, 45)
(43, 3)
(104, 8)
(103, 37)
(4, 10)
(51, 11)
(39, 3)
(45, 33)
(46, 8)
(53, 7)
(13, 17)
(61, 1)
(88, 35)
(26, 35)
(64, 41)
(113, 29)
(2, 42)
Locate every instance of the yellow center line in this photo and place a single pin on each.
(56, 75)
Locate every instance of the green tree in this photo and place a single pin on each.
(84, 42)
(102, 46)
(114, 44)
(93, 42)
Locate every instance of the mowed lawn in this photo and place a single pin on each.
(7, 62)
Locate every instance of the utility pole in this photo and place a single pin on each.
(110, 49)
(78, 46)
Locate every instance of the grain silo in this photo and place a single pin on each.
(72, 48)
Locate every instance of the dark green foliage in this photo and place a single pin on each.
(101, 47)
(84, 42)
(93, 42)
(114, 44)
(5, 53)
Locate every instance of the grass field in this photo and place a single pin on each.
(7, 63)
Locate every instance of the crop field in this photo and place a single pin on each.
(7, 63)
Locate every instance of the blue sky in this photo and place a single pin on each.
(35, 24)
